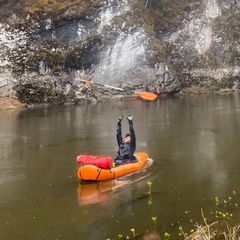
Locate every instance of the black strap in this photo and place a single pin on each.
(113, 173)
(80, 171)
(99, 169)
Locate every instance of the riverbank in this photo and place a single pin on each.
(7, 103)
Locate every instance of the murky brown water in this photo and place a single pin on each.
(194, 142)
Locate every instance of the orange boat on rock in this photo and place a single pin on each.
(90, 172)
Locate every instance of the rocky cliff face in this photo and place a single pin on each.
(162, 46)
(205, 50)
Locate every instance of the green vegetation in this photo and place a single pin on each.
(167, 15)
(150, 193)
(57, 9)
(55, 59)
(164, 15)
(155, 222)
(218, 228)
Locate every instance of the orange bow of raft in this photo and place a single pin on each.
(93, 173)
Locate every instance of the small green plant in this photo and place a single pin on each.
(216, 201)
(223, 215)
(180, 231)
(167, 235)
(150, 193)
(120, 236)
(150, 200)
(150, 188)
(133, 232)
(155, 222)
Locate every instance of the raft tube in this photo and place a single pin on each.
(94, 173)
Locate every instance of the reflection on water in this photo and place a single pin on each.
(98, 192)
(193, 140)
(95, 192)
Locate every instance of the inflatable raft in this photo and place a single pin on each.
(90, 172)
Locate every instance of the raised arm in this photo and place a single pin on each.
(119, 131)
(132, 132)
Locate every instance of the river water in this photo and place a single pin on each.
(194, 144)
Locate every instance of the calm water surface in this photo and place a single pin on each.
(194, 142)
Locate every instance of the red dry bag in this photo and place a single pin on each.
(104, 162)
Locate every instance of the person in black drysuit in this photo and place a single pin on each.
(127, 146)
